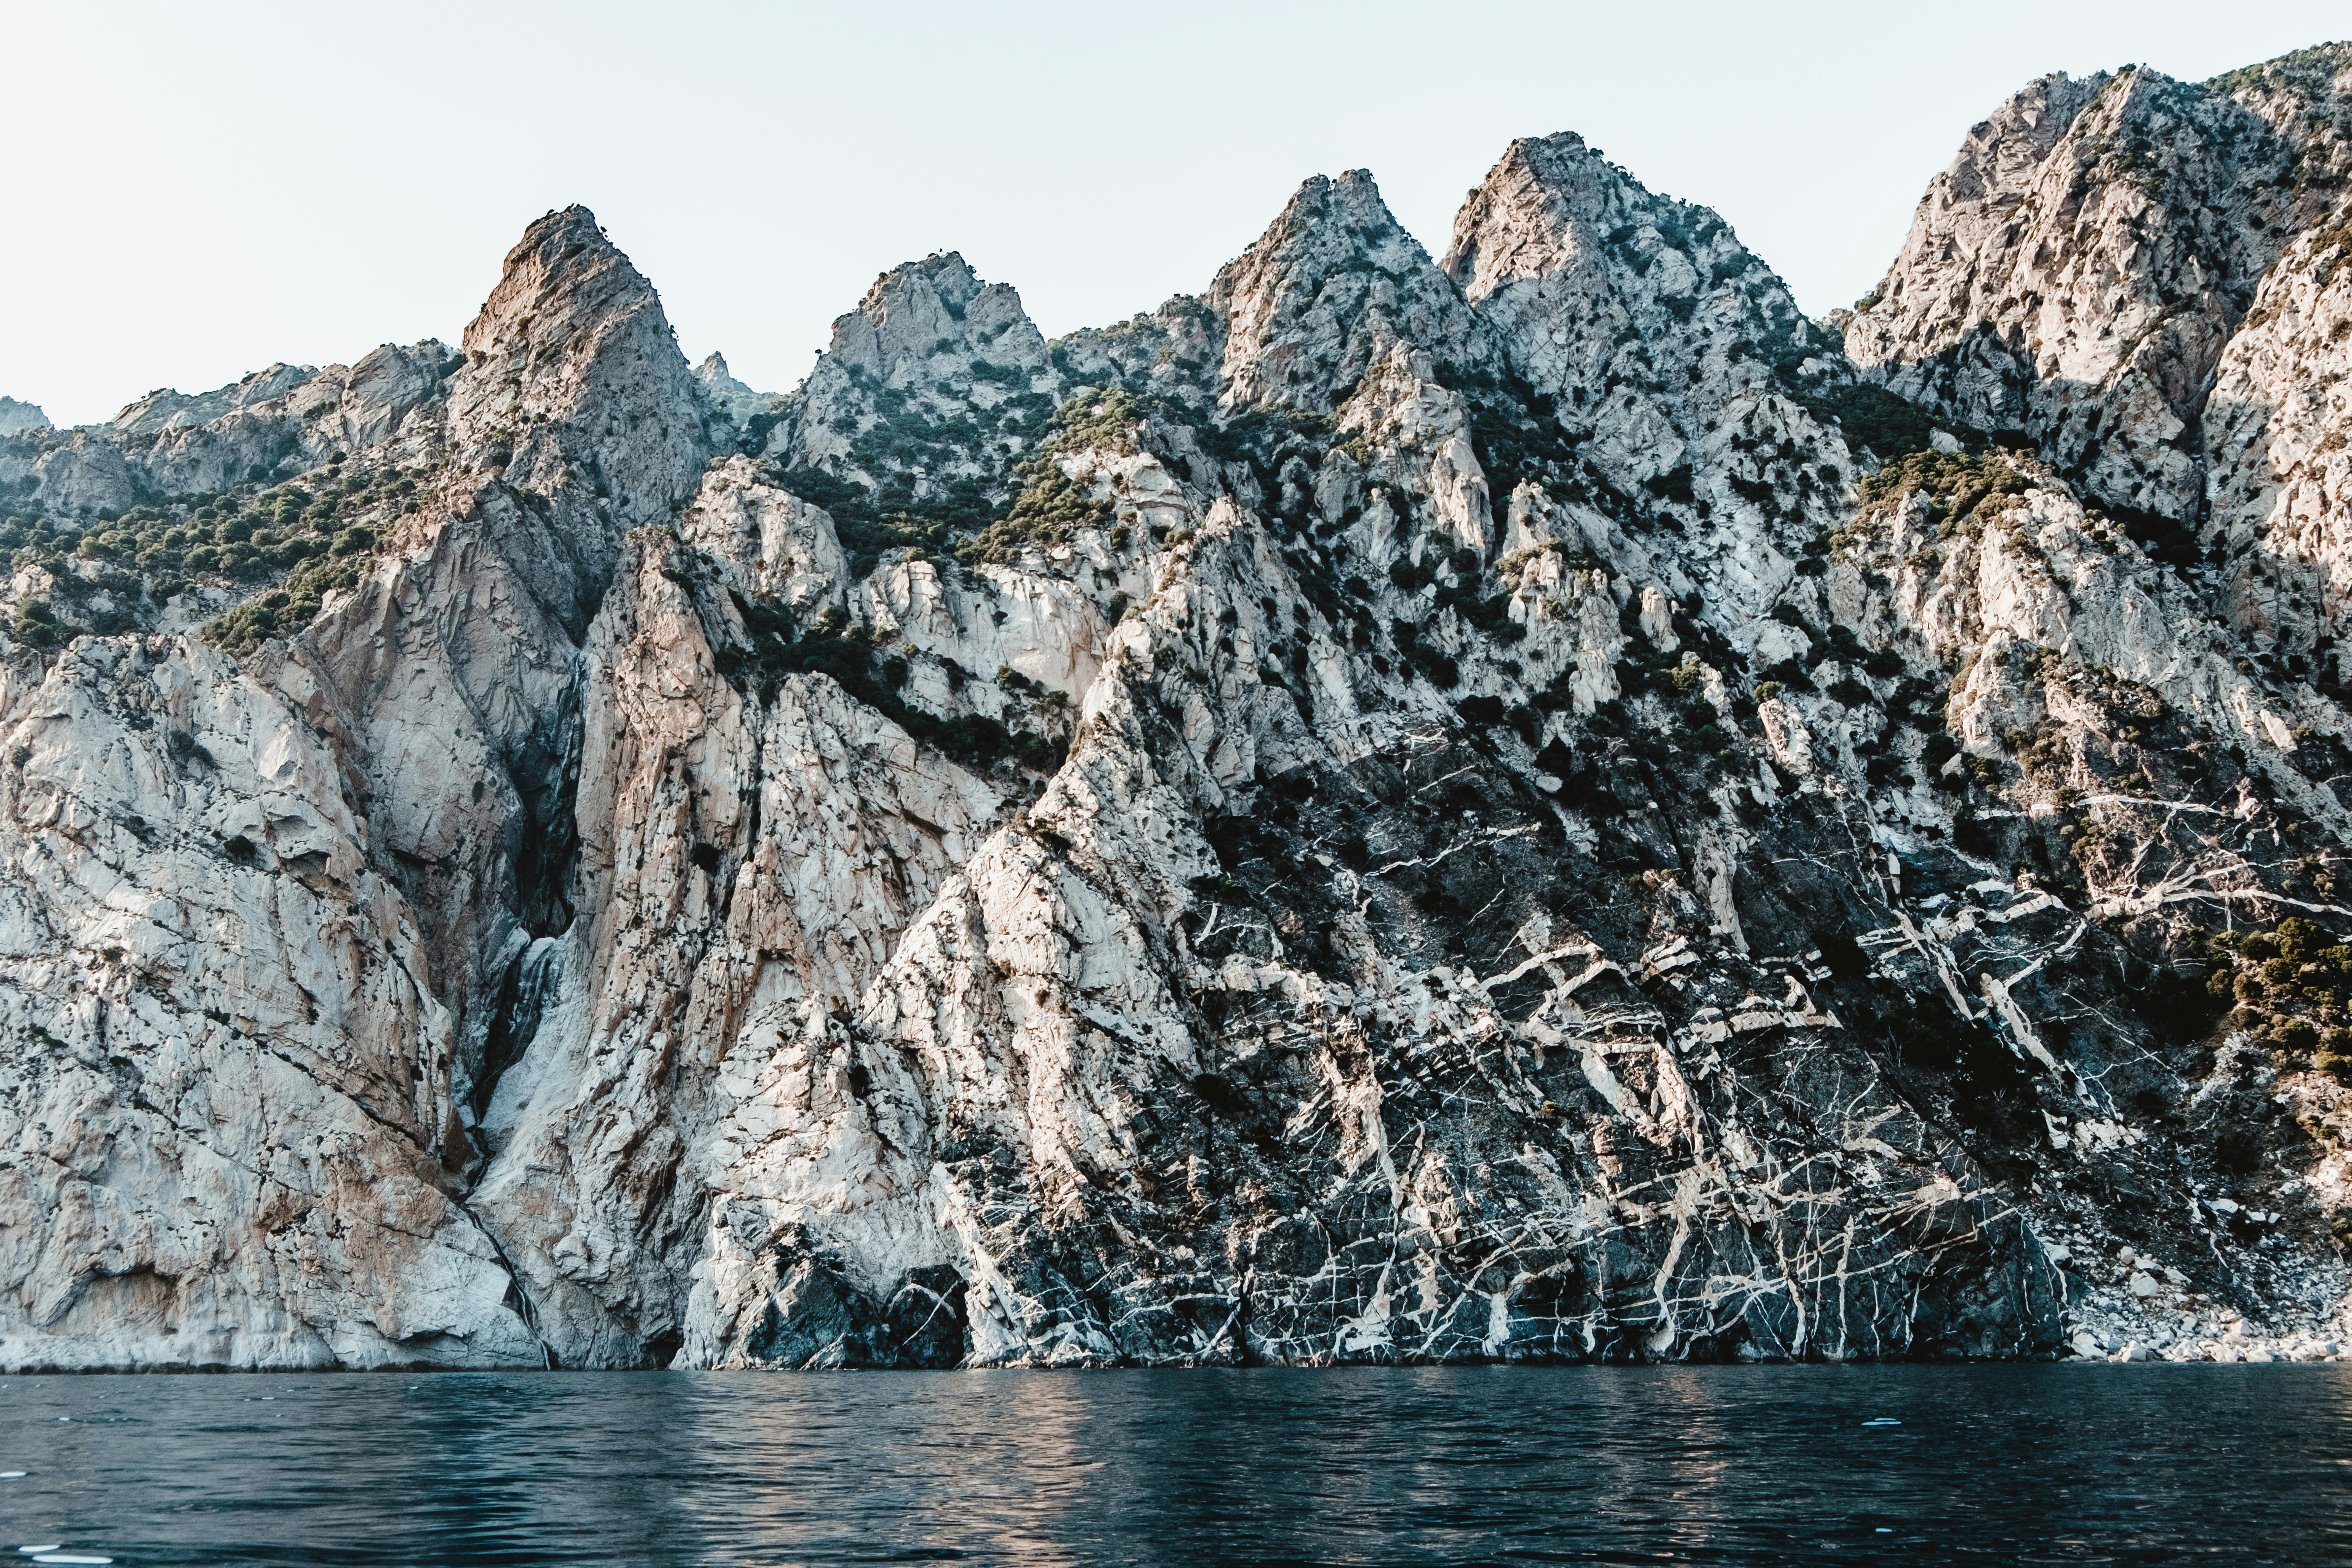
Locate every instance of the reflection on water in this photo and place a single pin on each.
(1746, 1465)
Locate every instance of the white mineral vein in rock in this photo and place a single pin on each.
(1521, 805)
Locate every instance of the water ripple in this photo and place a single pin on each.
(1732, 1466)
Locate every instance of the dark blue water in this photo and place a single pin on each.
(1746, 1465)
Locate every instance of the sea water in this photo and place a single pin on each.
(1612, 1465)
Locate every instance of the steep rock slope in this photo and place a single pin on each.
(1290, 1020)
(750, 858)
(228, 1110)
(2078, 273)
(2278, 445)
(1522, 806)
(357, 813)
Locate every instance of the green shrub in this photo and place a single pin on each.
(292, 544)
(37, 625)
(2299, 938)
(1875, 418)
(1955, 486)
(187, 750)
(1049, 506)
(284, 610)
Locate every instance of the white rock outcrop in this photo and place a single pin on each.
(1518, 806)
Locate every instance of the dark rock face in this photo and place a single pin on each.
(1522, 806)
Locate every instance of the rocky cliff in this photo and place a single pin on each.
(1533, 803)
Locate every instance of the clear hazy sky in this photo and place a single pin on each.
(192, 191)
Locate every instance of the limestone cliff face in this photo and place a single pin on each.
(232, 1128)
(17, 417)
(1672, 361)
(2277, 438)
(931, 352)
(1523, 806)
(2079, 271)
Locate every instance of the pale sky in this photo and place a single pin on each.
(194, 191)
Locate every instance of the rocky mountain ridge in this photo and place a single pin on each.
(1531, 804)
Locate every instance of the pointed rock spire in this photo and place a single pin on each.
(715, 377)
(1582, 272)
(571, 362)
(1326, 292)
(735, 399)
(932, 363)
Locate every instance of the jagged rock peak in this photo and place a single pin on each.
(731, 397)
(370, 395)
(918, 314)
(564, 260)
(947, 362)
(1327, 292)
(1565, 253)
(16, 415)
(575, 333)
(1656, 342)
(274, 423)
(168, 409)
(1552, 202)
(2076, 273)
(1536, 210)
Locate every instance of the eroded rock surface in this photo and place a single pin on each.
(1528, 804)
(2097, 251)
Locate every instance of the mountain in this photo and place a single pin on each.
(1532, 803)
(733, 398)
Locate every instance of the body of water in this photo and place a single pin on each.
(1725, 1465)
